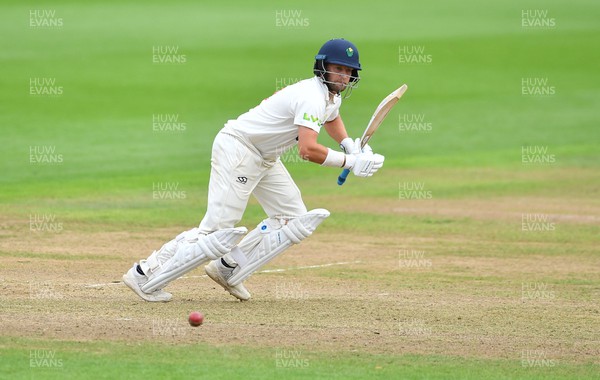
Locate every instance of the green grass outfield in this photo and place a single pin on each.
(236, 54)
(65, 360)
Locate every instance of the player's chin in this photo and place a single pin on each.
(339, 87)
(336, 87)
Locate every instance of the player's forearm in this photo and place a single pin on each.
(324, 156)
(314, 153)
(309, 149)
(336, 129)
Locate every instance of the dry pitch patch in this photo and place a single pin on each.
(375, 294)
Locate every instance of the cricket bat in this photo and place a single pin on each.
(378, 116)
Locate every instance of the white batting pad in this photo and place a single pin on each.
(158, 258)
(191, 250)
(270, 238)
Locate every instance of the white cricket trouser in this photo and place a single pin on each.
(237, 172)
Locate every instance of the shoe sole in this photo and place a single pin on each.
(146, 297)
(216, 278)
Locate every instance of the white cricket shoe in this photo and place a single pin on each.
(135, 281)
(220, 274)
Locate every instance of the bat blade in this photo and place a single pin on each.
(381, 112)
(378, 116)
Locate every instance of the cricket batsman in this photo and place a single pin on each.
(245, 160)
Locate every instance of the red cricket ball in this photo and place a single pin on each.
(196, 318)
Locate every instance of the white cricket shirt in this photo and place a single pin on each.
(272, 126)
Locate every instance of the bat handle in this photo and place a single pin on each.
(342, 177)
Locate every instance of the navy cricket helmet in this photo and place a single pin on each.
(338, 51)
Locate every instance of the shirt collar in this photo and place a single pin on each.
(325, 90)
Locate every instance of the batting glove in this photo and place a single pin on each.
(353, 147)
(364, 164)
(350, 146)
(366, 148)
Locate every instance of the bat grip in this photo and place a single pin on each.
(343, 176)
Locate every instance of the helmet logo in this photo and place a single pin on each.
(349, 52)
